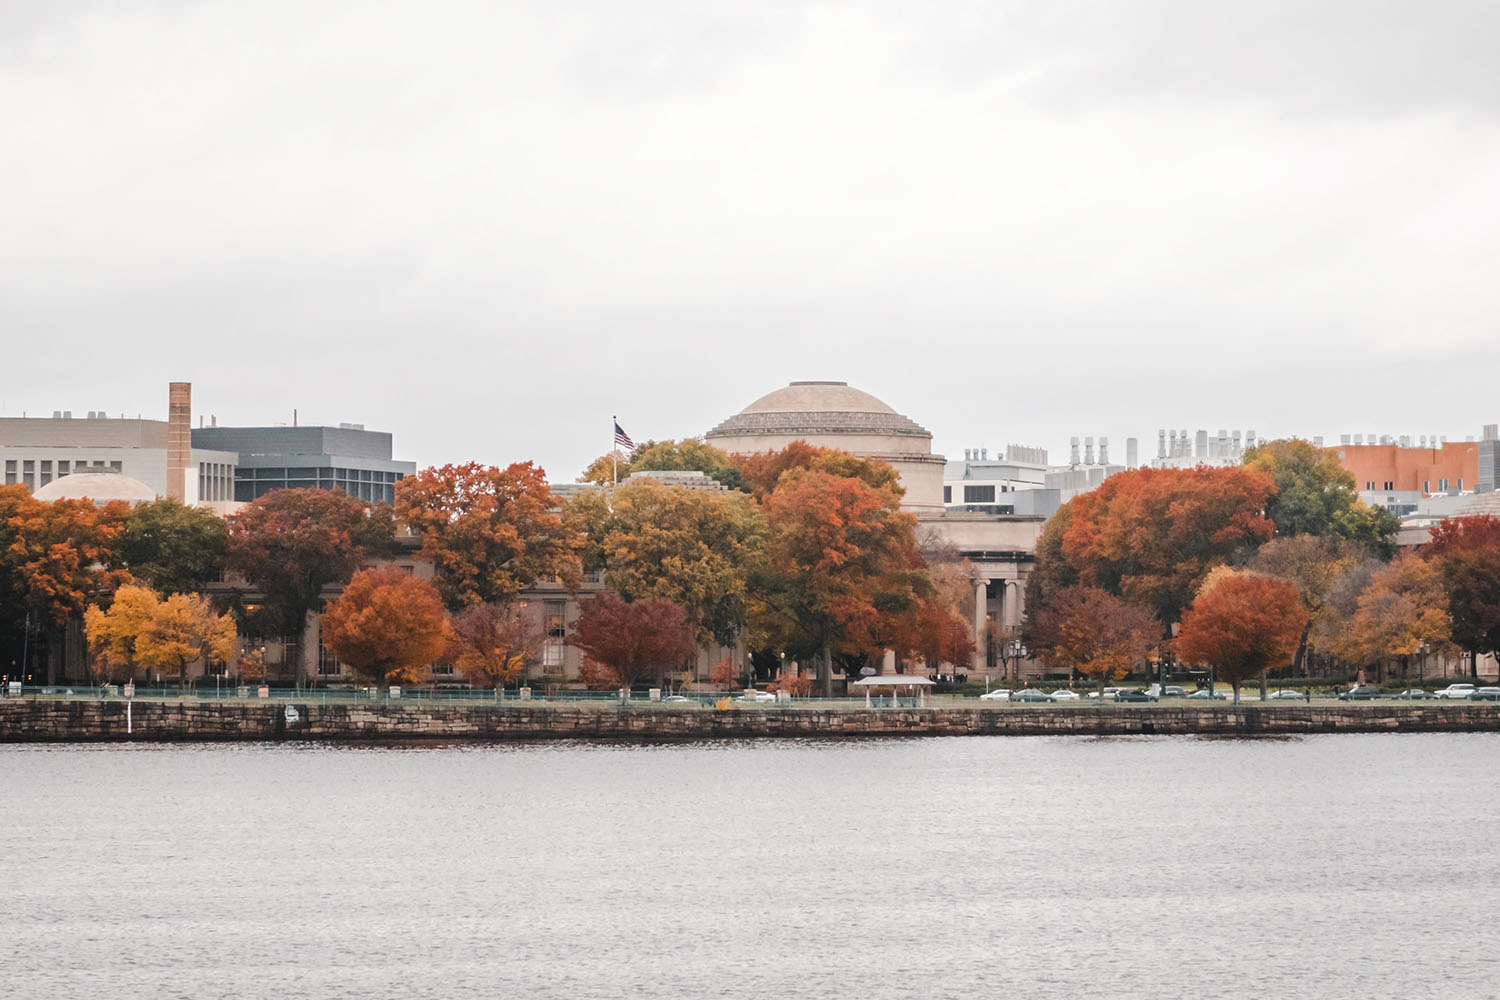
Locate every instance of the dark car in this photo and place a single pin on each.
(1360, 692)
(1127, 695)
(1412, 694)
(1030, 694)
(1486, 694)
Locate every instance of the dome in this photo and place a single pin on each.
(98, 485)
(808, 409)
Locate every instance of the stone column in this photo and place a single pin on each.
(981, 606)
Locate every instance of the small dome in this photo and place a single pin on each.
(98, 485)
(808, 409)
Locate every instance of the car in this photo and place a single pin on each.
(1485, 694)
(1030, 694)
(752, 695)
(1202, 694)
(998, 694)
(676, 699)
(1285, 694)
(1360, 692)
(1107, 693)
(1456, 691)
(1173, 691)
(1064, 694)
(1412, 694)
(1130, 694)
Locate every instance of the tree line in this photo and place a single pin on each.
(1275, 563)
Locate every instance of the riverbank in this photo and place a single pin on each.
(53, 721)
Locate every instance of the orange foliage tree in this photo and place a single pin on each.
(1151, 535)
(634, 640)
(1094, 632)
(1403, 609)
(1240, 623)
(763, 470)
(1466, 551)
(490, 532)
(494, 641)
(387, 625)
(841, 569)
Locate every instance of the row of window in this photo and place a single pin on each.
(36, 473)
(1426, 485)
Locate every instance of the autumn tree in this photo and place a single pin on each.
(687, 455)
(763, 470)
(494, 641)
(1315, 563)
(1093, 632)
(633, 639)
(173, 547)
(1241, 623)
(1466, 551)
(841, 568)
(943, 636)
(1316, 495)
(490, 532)
(1150, 536)
(141, 631)
(1332, 631)
(1403, 610)
(388, 625)
(694, 548)
(291, 544)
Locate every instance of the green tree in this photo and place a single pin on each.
(1467, 553)
(1315, 495)
(687, 455)
(291, 544)
(694, 548)
(174, 547)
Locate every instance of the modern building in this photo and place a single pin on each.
(1420, 467)
(1176, 450)
(346, 457)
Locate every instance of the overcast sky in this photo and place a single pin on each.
(488, 226)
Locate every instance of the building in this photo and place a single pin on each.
(36, 451)
(1176, 450)
(346, 457)
(1000, 547)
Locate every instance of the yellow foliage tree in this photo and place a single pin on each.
(140, 631)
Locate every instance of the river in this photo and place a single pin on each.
(1327, 867)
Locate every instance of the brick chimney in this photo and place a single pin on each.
(179, 439)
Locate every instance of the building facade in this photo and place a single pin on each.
(346, 457)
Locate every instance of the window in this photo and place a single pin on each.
(979, 494)
(328, 664)
(1442, 486)
(62, 467)
(442, 670)
(1370, 486)
(1427, 486)
(557, 630)
(1389, 485)
(947, 494)
(10, 472)
(117, 466)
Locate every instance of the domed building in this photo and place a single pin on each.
(102, 486)
(836, 415)
(1000, 547)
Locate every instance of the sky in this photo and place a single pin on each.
(486, 227)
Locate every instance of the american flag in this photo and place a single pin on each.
(622, 439)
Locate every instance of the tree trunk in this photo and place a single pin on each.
(1474, 664)
(1236, 686)
(1263, 684)
(827, 670)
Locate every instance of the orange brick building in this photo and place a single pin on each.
(1452, 465)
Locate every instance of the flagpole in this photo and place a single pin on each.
(614, 451)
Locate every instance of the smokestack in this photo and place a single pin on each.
(179, 439)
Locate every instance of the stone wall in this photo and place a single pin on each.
(34, 720)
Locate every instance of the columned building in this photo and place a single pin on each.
(1001, 548)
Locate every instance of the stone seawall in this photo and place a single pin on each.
(30, 720)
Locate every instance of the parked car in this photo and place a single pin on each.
(1486, 694)
(1360, 692)
(1203, 695)
(1456, 691)
(998, 694)
(752, 695)
(1130, 694)
(1030, 694)
(1285, 694)
(1173, 691)
(1064, 694)
(1412, 694)
(676, 699)
(1107, 693)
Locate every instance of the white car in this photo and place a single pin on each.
(1064, 694)
(1285, 694)
(756, 696)
(1456, 691)
(998, 694)
(1108, 693)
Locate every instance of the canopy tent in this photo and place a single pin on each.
(896, 682)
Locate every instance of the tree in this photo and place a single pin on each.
(290, 544)
(1316, 495)
(1466, 551)
(634, 639)
(841, 570)
(687, 455)
(173, 547)
(1242, 622)
(1403, 609)
(943, 636)
(1315, 563)
(490, 532)
(763, 470)
(494, 641)
(141, 631)
(387, 625)
(1093, 632)
(1150, 536)
(691, 547)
